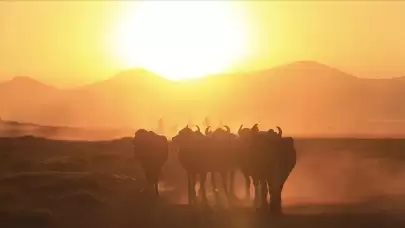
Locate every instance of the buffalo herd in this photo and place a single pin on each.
(264, 157)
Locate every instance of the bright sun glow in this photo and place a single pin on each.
(180, 40)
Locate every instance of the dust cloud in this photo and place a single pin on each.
(333, 175)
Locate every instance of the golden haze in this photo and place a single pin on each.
(69, 43)
(180, 40)
(72, 43)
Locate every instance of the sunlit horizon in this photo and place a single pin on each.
(267, 61)
(178, 41)
(176, 113)
(91, 41)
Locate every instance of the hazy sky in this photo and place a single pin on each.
(66, 43)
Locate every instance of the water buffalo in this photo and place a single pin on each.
(222, 155)
(272, 159)
(151, 151)
(192, 147)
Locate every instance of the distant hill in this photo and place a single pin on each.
(16, 129)
(305, 98)
(20, 87)
(21, 98)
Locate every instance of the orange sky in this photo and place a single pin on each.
(67, 43)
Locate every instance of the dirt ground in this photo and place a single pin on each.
(336, 183)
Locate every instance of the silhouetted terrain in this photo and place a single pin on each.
(55, 183)
(16, 129)
(306, 98)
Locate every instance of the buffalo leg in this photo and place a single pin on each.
(156, 180)
(232, 183)
(285, 173)
(247, 185)
(156, 185)
(203, 180)
(215, 187)
(275, 188)
(264, 191)
(191, 188)
(213, 182)
(224, 182)
(275, 199)
(193, 185)
(257, 192)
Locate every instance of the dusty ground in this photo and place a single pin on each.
(337, 183)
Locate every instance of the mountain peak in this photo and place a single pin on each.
(306, 62)
(130, 78)
(25, 82)
(23, 79)
(137, 72)
(309, 67)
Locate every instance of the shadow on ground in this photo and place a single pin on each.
(83, 199)
(80, 184)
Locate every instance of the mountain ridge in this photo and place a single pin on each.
(303, 96)
(139, 71)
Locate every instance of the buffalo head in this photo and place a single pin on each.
(183, 134)
(255, 128)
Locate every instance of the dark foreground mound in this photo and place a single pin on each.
(72, 199)
(83, 184)
(83, 199)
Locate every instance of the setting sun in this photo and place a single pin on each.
(180, 40)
